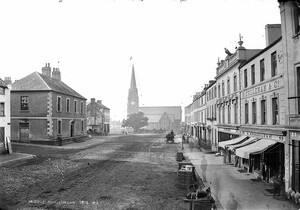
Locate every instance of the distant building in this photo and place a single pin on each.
(160, 117)
(44, 108)
(98, 117)
(163, 117)
(4, 117)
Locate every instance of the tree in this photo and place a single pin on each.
(136, 121)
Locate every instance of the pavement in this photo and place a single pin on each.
(15, 157)
(230, 185)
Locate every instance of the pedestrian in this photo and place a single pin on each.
(276, 180)
(203, 167)
(231, 204)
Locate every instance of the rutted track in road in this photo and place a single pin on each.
(102, 179)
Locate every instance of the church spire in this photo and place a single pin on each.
(133, 82)
(133, 97)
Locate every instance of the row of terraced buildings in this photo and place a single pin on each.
(250, 111)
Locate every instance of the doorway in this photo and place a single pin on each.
(24, 132)
(72, 128)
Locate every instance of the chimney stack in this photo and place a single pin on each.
(56, 74)
(272, 33)
(99, 102)
(93, 100)
(47, 70)
(7, 80)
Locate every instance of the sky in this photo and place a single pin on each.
(174, 45)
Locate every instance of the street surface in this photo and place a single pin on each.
(116, 174)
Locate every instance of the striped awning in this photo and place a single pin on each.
(256, 147)
(237, 140)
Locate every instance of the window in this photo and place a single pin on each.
(245, 78)
(298, 88)
(234, 83)
(59, 127)
(253, 112)
(58, 103)
(219, 115)
(263, 112)
(24, 103)
(253, 74)
(223, 114)
(236, 113)
(273, 64)
(296, 17)
(68, 105)
(215, 92)
(228, 86)
(275, 111)
(246, 113)
(262, 70)
(219, 91)
(81, 107)
(223, 89)
(2, 111)
(2, 91)
(82, 125)
(75, 106)
(229, 114)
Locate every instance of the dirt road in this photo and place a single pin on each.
(116, 174)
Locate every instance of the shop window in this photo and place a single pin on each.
(2, 111)
(263, 112)
(298, 88)
(245, 78)
(24, 103)
(256, 162)
(253, 74)
(262, 70)
(296, 168)
(253, 112)
(275, 115)
(273, 64)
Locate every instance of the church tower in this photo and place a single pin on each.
(133, 97)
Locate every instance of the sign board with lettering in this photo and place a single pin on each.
(260, 89)
(266, 136)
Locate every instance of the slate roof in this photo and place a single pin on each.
(40, 82)
(2, 83)
(159, 110)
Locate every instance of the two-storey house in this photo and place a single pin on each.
(98, 117)
(4, 117)
(45, 110)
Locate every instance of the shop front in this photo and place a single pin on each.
(295, 153)
(264, 157)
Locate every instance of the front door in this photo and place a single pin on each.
(24, 132)
(72, 129)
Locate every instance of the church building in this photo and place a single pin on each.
(159, 117)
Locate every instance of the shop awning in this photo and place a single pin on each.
(223, 144)
(256, 147)
(242, 144)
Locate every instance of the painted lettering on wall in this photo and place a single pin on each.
(270, 86)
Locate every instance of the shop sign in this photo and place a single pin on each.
(295, 135)
(294, 121)
(270, 86)
(266, 136)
